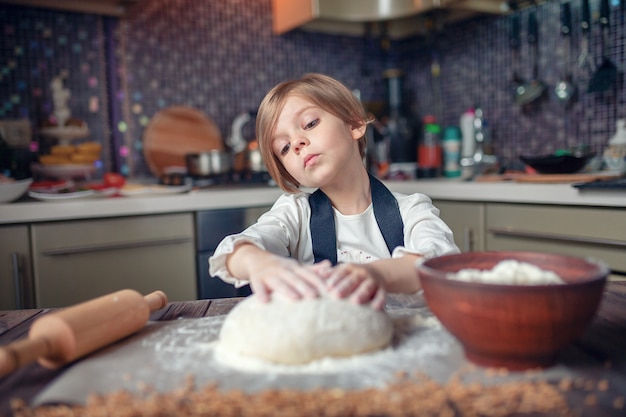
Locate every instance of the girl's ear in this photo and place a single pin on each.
(358, 131)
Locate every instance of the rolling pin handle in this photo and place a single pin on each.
(22, 353)
(156, 300)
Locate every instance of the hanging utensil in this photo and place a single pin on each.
(517, 82)
(585, 62)
(534, 89)
(606, 74)
(565, 89)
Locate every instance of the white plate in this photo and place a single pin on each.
(64, 171)
(153, 189)
(52, 196)
(66, 134)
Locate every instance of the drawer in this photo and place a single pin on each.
(61, 237)
(593, 232)
(78, 260)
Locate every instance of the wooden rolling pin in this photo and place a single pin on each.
(59, 338)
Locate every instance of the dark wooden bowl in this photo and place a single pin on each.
(513, 326)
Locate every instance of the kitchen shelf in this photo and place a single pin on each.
(116, 8)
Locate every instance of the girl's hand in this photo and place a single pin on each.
(356, 283)
(287, 277)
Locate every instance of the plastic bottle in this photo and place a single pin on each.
(429, 151)
(615, 154)
(467, 129)
(468, 142)
(451, 145)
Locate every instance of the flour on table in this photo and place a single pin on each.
(298, 332)
(405, 327)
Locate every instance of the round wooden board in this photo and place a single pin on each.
(176, 131)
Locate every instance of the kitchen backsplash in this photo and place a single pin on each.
(221, 57)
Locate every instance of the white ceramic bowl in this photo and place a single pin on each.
(11, 191)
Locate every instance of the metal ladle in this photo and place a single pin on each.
(565, 89)
(535, 88)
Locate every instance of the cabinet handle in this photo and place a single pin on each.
(17, 281)
(114, 246)
(468, 241)
(496, 231)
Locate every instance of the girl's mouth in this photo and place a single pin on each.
(310, 160)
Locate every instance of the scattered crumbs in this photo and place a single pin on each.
(590, 386)
(493, 372)
(409, 397)
(533, 372)
(565, 384)
(579, 382)
(591, 400)
(603, 385)
(337, 393)
(618, 403)
(144, 387)
(400, 375)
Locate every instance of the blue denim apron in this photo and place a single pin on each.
(322, 223)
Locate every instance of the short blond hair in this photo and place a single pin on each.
(321, 90)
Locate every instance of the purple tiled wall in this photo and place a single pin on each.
(221, 57)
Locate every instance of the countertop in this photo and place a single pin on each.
(27, 210)
(598, 357)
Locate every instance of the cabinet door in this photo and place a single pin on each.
(78, 260)
(466, 219)
(592, 232)
(15, 268)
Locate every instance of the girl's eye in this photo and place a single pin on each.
(312, 124)
(285, 149)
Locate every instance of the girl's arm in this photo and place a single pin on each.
(368, 283)
(269, 273)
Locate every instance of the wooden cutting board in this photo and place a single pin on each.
(547, 178)
(176, 131)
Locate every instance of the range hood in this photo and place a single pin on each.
(402, 17)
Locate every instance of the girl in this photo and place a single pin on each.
(352, 238)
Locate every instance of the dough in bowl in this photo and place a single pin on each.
(298, 332)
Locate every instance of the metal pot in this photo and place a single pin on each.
(209, 163)
(246, 152)
(255, 159)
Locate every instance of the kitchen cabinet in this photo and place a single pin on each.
(467, 221)
(211, 227)
(595, 232)
(16, 283)
(77, 260)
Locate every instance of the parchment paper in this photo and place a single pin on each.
(164, 354)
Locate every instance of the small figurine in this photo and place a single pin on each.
(60, 99)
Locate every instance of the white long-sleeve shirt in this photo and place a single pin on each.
(284, 230)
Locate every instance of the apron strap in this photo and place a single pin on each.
(322, 223)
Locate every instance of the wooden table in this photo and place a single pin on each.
(603, 345)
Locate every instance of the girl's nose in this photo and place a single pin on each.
(299, 144)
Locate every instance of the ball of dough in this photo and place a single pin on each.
(298, 332)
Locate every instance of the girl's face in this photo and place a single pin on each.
(314, 145)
